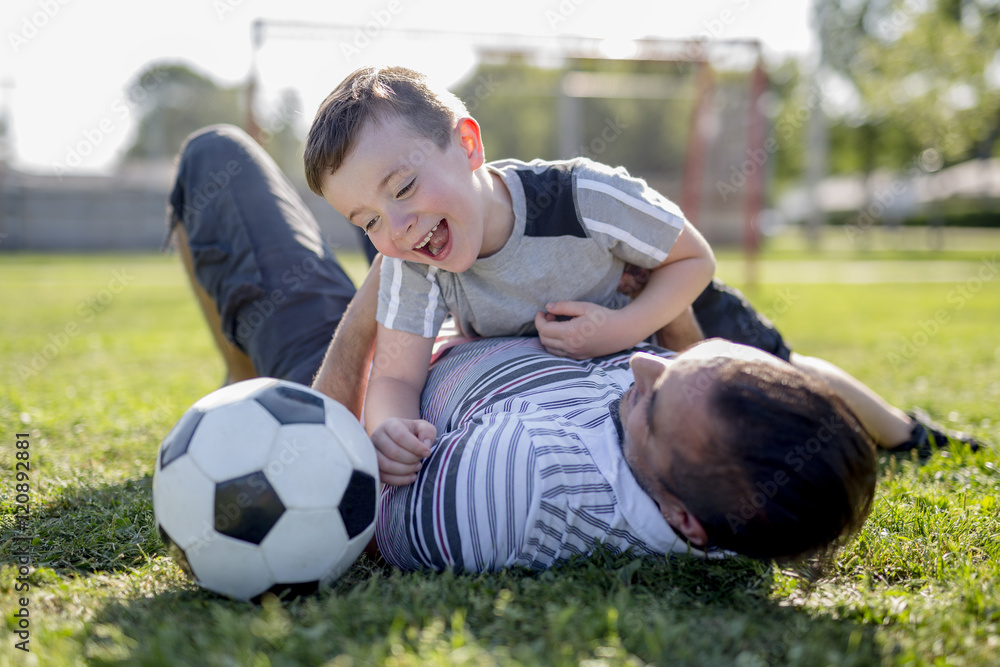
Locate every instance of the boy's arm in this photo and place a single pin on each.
(596, 330)
(392, 406)
(678, 335)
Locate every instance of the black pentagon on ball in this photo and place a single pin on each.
(357, 507)
(247, 507)
(177, 441)
(292, 406)
(176, 553)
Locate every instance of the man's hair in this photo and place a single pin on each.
(789, 471)
(376, 94)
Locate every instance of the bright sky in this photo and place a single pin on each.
(66, 65)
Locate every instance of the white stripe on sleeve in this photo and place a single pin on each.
(668, 211)
(394, 297)
(432, 302)
(625, 237)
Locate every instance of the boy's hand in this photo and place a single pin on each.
(402, 444)
(590, 333)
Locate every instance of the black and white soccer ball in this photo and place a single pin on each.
(266, 485)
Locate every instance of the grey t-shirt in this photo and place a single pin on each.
(576, 224)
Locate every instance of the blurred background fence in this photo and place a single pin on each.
(124, 211)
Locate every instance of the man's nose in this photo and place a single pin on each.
(646, 368)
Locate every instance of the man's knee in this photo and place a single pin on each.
(222, 138)
(216, 154)
(210, 160)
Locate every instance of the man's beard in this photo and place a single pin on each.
(617, 419)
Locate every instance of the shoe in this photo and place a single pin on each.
(927, 437)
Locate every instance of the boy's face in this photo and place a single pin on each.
(415, 201)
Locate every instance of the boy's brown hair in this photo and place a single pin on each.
(373, 94)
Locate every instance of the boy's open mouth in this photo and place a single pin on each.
(435, 241)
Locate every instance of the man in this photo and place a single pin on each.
(542, 457)
(691, 477)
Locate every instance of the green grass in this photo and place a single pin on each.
(918, 586)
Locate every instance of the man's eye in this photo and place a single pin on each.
(406, 188)
(371, 223)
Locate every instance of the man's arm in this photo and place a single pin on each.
(343, 375)
(682, 333)
(393, 407)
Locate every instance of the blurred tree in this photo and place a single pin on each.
(790, 102)
(654, 99)
(515, 104)
(279, 136)
(926, 72)
(616, 114)
(5, 138)
(173, 100)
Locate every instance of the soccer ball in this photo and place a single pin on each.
(265, 485)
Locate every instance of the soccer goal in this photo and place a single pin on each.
(687, 116)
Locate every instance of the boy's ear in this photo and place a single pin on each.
(471, 140)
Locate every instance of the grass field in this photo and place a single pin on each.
(101, 354)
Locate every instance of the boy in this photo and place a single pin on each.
(494, 244)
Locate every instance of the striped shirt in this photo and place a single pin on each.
(576, 224)
(527, 469)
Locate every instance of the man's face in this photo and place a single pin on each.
(415, 201)
(661, 413)
(665, 413)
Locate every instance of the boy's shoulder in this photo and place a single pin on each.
(581, 166)
(537, 165)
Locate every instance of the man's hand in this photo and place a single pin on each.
(590, 332)
(633, 280)
(402, 445)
